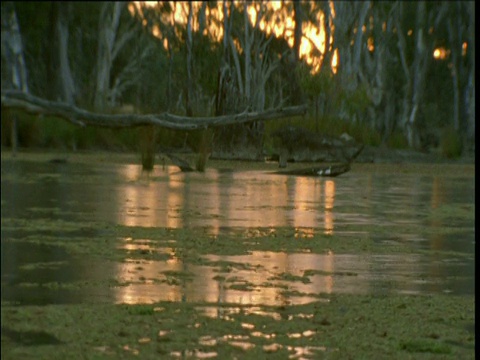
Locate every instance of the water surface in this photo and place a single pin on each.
(421, 227)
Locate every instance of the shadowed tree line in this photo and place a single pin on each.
(115, 57)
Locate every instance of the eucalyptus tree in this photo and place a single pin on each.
(160, 22)
(116, 30)
(460, 25)
(14, 70)
(379, 69)
(248, 65)
(470, 88)
(260, 63)
(179, 41)
(346, 95)
(368, 66)
(385, 52)
(259, 66)
(189, 92)
(415, 57)
(349, 22)
(63, 76)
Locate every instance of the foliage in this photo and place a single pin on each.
(50, 132)
(314, 84)
(357, 102)
(451, 142)
(331, 126)
(397, 140)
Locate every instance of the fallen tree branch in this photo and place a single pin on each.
(81, 117)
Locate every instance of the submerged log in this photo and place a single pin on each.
(330, 170)
(326, 170)
(182, 164)
(58, 161)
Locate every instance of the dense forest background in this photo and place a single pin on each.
(392, 73)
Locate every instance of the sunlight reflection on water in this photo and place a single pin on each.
(264, 282)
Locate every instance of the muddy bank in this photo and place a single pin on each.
(369, 155)
(405, 156)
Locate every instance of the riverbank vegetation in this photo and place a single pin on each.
(395, 74)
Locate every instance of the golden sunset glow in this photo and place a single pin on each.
(335, 61)
(252, 13)
(370, 44)
(156, 31)
(440, 53)
(329, 203)
(281, 25)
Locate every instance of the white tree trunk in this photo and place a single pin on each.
(65, 77)
(236, 61)
(189, 96)
(402, 49)
(471, 76)
(414, 74)
(107, 33)
(14, 73)
(246, 49)
(359, 43)
(455, 76)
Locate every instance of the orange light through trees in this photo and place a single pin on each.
(335, 61)
(280, 24)
(440, 53)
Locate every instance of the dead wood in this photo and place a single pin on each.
(182, 164)
(328, 170)
(82, 117)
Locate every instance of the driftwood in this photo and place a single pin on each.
(81, 117)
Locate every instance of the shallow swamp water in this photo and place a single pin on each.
(101, 260)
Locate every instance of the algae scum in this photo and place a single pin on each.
(102, 261)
